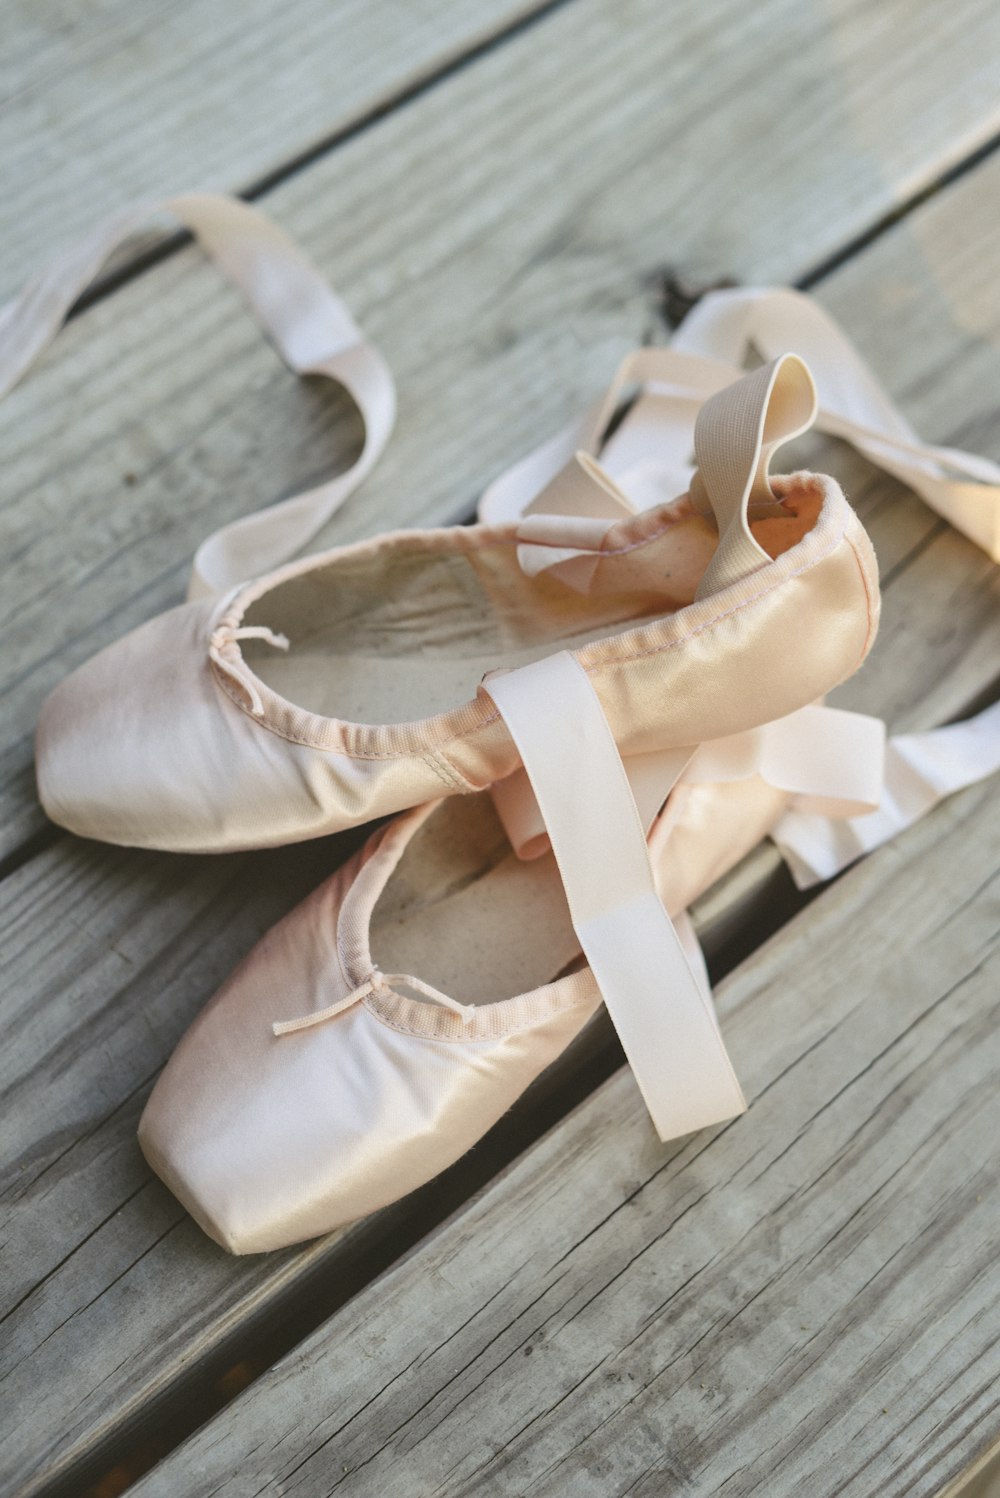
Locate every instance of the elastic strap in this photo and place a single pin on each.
(735, 436)
(650, 452)
(737, 432)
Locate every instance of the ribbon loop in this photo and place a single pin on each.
(309, 325)
(736, 433)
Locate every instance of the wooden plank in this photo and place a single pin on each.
(108, 1292)
(148, 941)
(133, 101)
(246, 95)
(803, 1301)
(127, 1289)
(497, 278)
(129, 1298)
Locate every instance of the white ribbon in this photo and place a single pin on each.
(657, 1003)
(650, 454)
(921, 770)
(828, 760)
(310, 326)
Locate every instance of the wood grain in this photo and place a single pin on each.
(122, 101)
(504, 237)
(803, 1301)
(126, 1287)
(498, 286)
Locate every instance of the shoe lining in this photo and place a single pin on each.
(464, 914)
(402, 631)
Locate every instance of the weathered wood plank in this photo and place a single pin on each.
(804, 1301)
(123, 1278)
(496, 274)
(133, 1298)
(133, 101)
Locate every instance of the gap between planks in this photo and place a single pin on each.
(954, 688)
(953, 558)
(106, 119)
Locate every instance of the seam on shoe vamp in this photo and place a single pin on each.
(449, 774)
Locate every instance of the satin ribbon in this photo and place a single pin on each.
(921, 770)
(708, 351)
(661, 1011)
(649, 455)
(309, 325)
(830, 762)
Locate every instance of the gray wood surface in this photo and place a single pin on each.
(504, 238)
(128, 100)
(503, 283)
(129, 1296)
(803, 1301)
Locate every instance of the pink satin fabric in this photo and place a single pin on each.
(152, 744)
(269, 1141)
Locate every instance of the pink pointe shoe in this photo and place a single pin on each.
(624, 684)
(378, 1031)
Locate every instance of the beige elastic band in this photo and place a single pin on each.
(736, 434)
(738, 430)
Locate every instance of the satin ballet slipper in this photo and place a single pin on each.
(376, 1033)
(377, 1081)
(380, 1029)
(195, 733)
(344, 687)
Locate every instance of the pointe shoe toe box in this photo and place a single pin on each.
(270, 1140)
